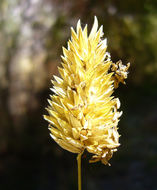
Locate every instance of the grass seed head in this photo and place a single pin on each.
(82, 112)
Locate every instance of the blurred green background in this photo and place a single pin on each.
(32, 33)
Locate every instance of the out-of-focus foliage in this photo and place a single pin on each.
(32, 33)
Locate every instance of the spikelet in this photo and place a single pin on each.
(83, 114)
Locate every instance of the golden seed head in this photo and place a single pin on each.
(83, 114)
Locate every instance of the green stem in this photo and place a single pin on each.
(79, 169)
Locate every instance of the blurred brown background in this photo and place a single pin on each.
(32, 33)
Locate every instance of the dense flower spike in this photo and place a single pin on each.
(82, 112)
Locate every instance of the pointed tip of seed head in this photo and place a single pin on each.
(52, 136)
(94, 28)
(95, 19)
(101, 31)
(44, 116)
(78, 25)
